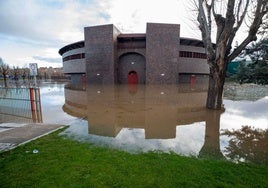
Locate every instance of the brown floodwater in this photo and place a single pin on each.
(165, 118)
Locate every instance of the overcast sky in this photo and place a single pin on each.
(32, 31)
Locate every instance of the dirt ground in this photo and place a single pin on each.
(250, 92)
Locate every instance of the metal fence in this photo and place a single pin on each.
(20, 105)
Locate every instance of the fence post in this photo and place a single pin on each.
(32, 101)
(38, 105)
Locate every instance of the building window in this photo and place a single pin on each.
(199, 55)
(75, 56)
(187, 54)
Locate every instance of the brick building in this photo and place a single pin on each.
(159, 56)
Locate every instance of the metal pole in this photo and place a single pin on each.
(33, 107)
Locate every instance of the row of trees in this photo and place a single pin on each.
(252, 73)
(4, 69)
(257, 70)
(16, 73)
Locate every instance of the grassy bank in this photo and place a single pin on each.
(62, 162)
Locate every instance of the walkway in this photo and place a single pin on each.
(13, 135)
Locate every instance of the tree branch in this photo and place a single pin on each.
(206, 37)
(229, 21)
(238, 24)
(208, 7)
(261, 10)
(238, 10)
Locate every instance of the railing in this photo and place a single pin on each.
(20, 105)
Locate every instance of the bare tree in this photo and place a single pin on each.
(16, 72)
(4, 69)
(25, 73)
(227, 17)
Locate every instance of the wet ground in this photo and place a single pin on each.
(156, 118)
(17, 134)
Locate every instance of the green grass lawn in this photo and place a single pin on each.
(62, 162)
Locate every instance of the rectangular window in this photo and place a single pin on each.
(186, 54)
(75, 56)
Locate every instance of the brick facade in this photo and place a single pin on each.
(100, 54)
(162, 53)
(160, 56)
(131, 62)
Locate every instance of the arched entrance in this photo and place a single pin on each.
(132, 77)
(131, 69)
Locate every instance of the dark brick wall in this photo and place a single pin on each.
(104, 46)
(141, 51)
(162, 53)
(131, 62)
(101, 54)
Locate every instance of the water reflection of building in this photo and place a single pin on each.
(22, 105)
(156, 109)
(75, 100)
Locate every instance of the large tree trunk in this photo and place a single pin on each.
(227, 24)
(215, 87)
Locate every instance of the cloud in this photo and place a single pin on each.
(48, 55)
(28, 28)
(132, 15)
(54, 22)
(248, 108)
(47, 59)
(47, 21)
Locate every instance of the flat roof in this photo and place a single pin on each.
(132, 37)
(79, 44)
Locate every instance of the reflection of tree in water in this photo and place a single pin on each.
(247, 144)
(211, 147)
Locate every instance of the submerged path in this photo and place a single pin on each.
(13, 135)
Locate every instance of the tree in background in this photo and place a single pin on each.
(25, 73)
(16, 72)
(227, 17)
(4, 69)
(257, 70)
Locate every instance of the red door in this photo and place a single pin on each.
(132, 77)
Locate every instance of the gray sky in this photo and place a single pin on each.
(32, 31)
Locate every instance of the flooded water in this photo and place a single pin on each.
(170, 118)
